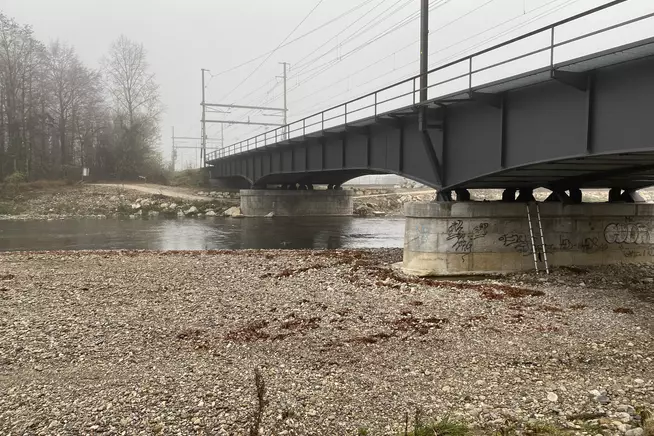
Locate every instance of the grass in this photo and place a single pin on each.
(443, 427)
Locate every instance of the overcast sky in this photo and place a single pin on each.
(329, 66)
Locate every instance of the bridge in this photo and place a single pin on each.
(534, 111)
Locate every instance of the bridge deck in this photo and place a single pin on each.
(481, 80)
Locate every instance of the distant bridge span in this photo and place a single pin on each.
(562, 122)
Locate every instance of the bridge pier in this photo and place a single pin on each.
(297, 202)
(479, 238)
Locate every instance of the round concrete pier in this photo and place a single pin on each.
(296, 203)
(480, 238)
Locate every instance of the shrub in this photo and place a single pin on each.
(16, 177)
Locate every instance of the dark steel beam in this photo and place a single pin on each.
(357, 130)
(576, 80)
(590, 112)
(492, 99)
(429, 146)
(599, 175)
(391, 121)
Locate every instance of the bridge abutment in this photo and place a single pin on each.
(478, 238)
(255, 202)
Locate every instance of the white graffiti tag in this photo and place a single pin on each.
(627, 234)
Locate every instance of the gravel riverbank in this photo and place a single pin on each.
(147, 343)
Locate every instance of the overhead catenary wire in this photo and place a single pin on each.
(494, 37)
(377, 62)
(306, 17)
(443, 61)
(322, 26)
(360, 31)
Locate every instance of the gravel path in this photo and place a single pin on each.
(152, 189)
(148, 343)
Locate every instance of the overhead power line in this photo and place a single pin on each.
(322, 26)
(360, 31)
(273, 51)
(443, 61)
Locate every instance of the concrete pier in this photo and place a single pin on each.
(296, 203)
(478, 238)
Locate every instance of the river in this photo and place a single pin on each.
(203, 234)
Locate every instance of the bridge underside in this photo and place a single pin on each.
(561, 129)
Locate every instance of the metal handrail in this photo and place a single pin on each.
(306, 124)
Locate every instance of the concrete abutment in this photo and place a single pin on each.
(280, 202)
(444, 238)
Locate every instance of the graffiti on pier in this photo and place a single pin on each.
(519, 242)
(463, 240)
(618, 233)
(422, 234)
(587, 245)
(630, 252)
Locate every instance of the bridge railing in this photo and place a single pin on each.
(537, 52)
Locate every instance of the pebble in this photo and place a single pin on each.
(551, 396)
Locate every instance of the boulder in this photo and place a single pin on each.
(164, 206)
(362, 210)
(270, 215)
(233, 212)
(136, 206)
(191, 211)
(180, 214)
(211, 213)
(173, 206)
(153, 213)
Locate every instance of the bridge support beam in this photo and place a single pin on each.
(305, 202)
(482, 238)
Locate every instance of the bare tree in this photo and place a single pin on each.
(57, 115)
(131, 85)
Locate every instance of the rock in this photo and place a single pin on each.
(594, 393)
(211, 213)
(603, 399)
(625, 408)
(153, 213)
(233, 212)
(180, 214)
(164, 205)
(378, 213)
(623, 417)
(213, 193)
(113, 198)
(551, 396)
(622, 428)
(136, 206)
(270, 215)
(635, 432)
(362, 210)
(132, 217)
(639, 381)
(173, 206)
(191, 211)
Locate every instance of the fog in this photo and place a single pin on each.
(331, 65)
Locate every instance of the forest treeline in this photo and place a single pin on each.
(58, 115)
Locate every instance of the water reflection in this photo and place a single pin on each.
(209, 234)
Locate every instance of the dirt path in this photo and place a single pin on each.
(168, 191)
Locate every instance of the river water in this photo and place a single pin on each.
(203, 234)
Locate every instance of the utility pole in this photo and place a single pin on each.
(174, 155)
(285, 78)
(204, 124)
(424, 49)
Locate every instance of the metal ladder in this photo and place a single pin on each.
(538, 250)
